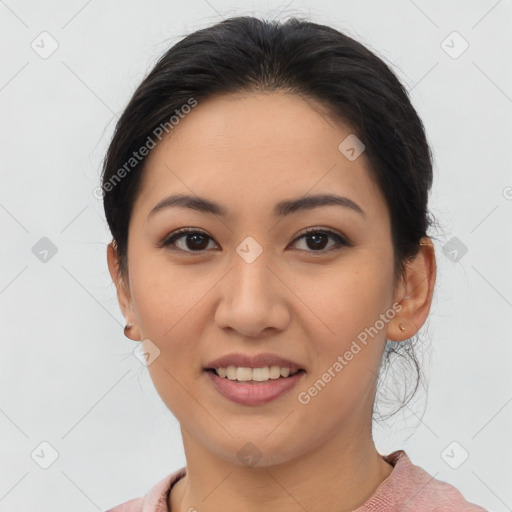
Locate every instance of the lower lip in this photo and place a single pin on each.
(253, 393)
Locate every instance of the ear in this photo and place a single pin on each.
(123, 291)
(414, 293)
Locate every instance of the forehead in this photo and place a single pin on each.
(255, 149)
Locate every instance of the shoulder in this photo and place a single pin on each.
(413, 489)
(156, 498)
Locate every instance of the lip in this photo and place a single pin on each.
(257, 361)
(255, 393)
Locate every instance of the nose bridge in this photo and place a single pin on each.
(251, 280)
(250, 299)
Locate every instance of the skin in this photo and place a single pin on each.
(248, 152)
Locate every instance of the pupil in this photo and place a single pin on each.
(316, 237)
(195, 245)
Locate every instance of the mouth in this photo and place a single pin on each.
(253, 379)
(254, 386)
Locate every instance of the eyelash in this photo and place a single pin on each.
(340, 240)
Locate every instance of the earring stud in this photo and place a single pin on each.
(402, 328)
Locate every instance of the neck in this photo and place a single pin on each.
(339, 475)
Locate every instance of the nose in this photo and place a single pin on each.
(253, 299)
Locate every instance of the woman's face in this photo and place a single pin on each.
(253, 284)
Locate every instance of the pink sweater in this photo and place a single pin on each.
(408, 488)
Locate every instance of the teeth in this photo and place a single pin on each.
(257, 374)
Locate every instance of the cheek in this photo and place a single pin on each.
(351, 296)
(348, 343)
(165, 296)
(350, 303)
(168, 308)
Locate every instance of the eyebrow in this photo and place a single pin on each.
(281, 209)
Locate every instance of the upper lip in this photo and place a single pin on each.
(258, 361)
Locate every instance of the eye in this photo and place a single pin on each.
(194, 240)
(318, 238)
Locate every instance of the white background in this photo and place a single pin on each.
(67, 373)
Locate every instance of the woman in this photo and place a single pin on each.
(266, 189)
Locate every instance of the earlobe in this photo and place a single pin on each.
(127, 329)
(415, 294)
